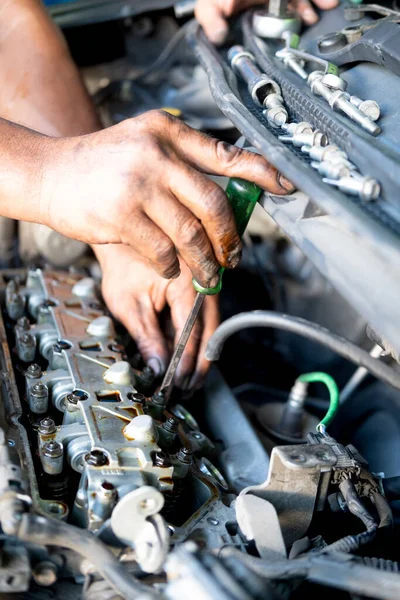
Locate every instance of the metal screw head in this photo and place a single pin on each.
(160, 459)
(159, 398)
(185, 455)
(39, 390)
(52, 449)
(297, 457)
(34, 371)
(47, 426)
(23, 323)
(213, 521)
(77, 396)
(96, 458)
(27, 339)
(136, 397)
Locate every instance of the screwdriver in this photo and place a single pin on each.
(242, 196)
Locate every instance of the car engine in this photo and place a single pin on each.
(280, 478)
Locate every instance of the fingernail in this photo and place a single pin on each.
(218, 36)
(234, 258)
(309, 16)
(157, 365)
(214, 281)
(285, 183)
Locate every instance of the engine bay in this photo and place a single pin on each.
(279, 478)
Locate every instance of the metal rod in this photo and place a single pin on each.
(166, 385)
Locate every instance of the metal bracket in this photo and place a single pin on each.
(296, 485)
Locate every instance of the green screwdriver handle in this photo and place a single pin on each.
(242, 196)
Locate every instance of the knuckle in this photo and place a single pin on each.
(161, 118)
(228, 155)
(164, 252)
(191, 233)
(215, 203)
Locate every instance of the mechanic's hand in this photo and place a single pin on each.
(213, 14)
(135, 295)
(141, 183)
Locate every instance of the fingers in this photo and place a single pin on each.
(181, 303)
(306, 11)
(210, 323)
(219, 158)
(153, 244)
(326, 4)
(141, 320)
(208, 202)
(211, 17)
(187, 234)
(213, 14)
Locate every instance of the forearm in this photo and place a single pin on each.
(40, 85)
(22, 172)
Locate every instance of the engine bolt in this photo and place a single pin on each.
(47, 426)
(23, 323)
(315, 138)
(331, 170)
(185, 455)
(293, 128)
(38, 398)
(171, 425)
(323, 152)
(276, 116)
(52, 449)
(160, 459)
(136, 397)
(365, 188)
(159, 398)
(34, 371)
(27, 339)
(96, 458)
(370, 108)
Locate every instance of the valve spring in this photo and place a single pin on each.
(172, 499)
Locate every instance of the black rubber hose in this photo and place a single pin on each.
(45, 532)
(307, 329)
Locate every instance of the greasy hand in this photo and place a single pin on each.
(213, 14)
(141, 183)
(135, 295)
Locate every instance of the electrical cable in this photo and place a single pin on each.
(320, 377)
(307, 329)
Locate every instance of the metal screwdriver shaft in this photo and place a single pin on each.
(242, 196)
(180, 347)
